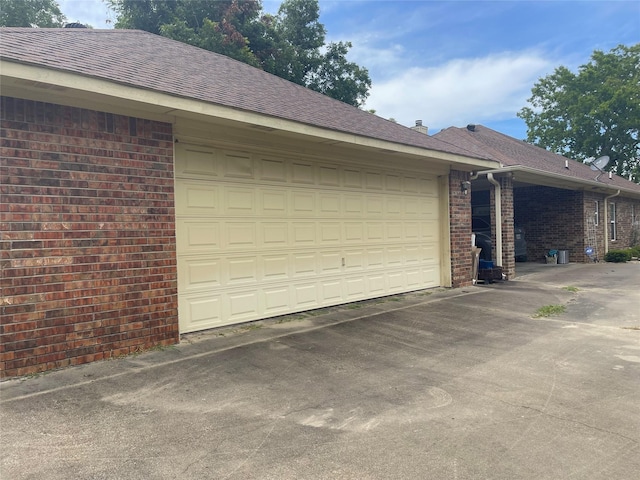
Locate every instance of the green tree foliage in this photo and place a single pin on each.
(299, 38)
(31, 13)
(592, 113)
(340, 79)
(297, 35)
(215, 25)
(290, 44)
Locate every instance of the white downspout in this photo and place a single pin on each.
(498, 207)
(606, 221)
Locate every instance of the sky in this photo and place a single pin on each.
(455, 62)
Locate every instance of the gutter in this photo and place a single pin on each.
(49, 84)
(595, 186)
(498, 208)
(606, 221)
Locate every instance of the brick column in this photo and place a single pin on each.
(508, 234)
(460, 230)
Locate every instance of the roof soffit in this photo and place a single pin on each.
(44, 84)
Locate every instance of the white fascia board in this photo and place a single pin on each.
(571, 182)
(51, 85)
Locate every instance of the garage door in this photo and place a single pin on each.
(261, 236)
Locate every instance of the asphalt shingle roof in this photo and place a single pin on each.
(511, 152)
(144, 60)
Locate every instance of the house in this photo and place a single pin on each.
(558, 204)
(150, 188)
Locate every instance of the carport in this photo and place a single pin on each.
(559, 204)
(551, 212)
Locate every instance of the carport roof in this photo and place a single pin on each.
(151, 62)
(537, 165)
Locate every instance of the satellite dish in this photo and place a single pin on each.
(599, 163)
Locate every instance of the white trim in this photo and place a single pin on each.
(42, 84)
(562, 181)
(613, 227)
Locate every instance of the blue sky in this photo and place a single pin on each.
(455, 62)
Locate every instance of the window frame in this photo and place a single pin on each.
(613, 228)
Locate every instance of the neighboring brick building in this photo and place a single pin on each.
(149, 188)
(559, 203)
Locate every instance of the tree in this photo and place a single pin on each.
(340, 79)
(31, 13)
(297, 37)
(288, 44)
(215, 25)
(592, 113)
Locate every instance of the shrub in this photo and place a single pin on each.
(618, 256)
(635, 251)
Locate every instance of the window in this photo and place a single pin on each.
(612, 221)
(596, 213)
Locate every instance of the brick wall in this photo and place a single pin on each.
(560, 219)
(594, 234)
(88, 263)
(626, 209)
(460, 230)
(553, 218)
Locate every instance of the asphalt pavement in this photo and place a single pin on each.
(439, 384)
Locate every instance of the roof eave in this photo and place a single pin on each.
(35, 82)
(541, 177)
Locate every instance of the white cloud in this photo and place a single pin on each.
(93, 12)
(460, 91)
(379, 60)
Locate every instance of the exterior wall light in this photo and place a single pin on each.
(466, 186)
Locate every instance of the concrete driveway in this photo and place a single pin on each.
(456, 384)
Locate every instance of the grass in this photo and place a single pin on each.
(290, 318)
(570, 288)
(549, 310)
(31, 376)
(139, 350)
(252, 326)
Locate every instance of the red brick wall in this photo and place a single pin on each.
(559, 219)
(87, 254)
(552, 218)
(597, 231)
(626, 208)
(460, 230)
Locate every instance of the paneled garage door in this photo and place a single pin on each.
(261, 236)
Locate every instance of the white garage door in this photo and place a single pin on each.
(261, 236)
